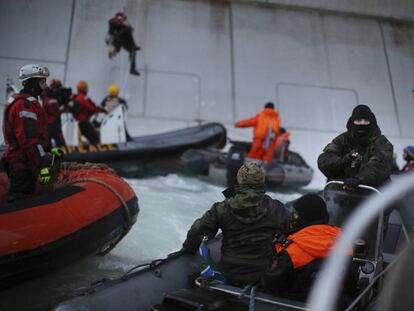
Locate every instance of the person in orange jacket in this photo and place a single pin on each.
(298, 256)
(266, 128)
(282, 145)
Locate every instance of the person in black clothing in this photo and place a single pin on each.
(299, 253)
(361, 155)
(120, 35)
(249, 220)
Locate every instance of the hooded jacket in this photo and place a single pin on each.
(249, 219)
(310, 243)
(375, 149)
(261, 122)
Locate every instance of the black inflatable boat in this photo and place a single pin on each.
(168, 284)
(158, 153)
(289, 171)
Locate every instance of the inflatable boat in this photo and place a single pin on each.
(171, 284)
(88, 212)
(117, 146)
(287, 171)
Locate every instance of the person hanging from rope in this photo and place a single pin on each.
(53, 105)
(120, 35)
(25, 135)
(249, 220)
(112, 101)
(266, 129)
(82, 109)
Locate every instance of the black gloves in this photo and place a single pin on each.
(351, 183)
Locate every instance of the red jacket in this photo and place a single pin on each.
(25, 133)
(52, 109)
(261, 122)
(408, 166)
(84, 108)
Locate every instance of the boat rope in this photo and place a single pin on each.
(252, 295)
(127, 224)
(68, 179)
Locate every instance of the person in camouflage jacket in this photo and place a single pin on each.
(249, 220)
(361, 155)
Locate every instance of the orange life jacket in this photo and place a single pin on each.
(261, 123)
(310, 243)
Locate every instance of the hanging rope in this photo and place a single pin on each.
(252, 295)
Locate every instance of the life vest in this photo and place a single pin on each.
(308, 244)
(84, 108)
(24, 131)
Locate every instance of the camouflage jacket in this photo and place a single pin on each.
(376, 162)
(248, 232)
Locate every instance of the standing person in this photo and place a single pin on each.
(25, 135)
(83, 109)
(361, 155)
(112, 100)
(408, 156)
(249, 220)
(53, 109)
(266, 128)
(120, 35)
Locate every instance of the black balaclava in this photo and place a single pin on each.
(32, 86)
(270, 105)
(310, 209)
(361, 131)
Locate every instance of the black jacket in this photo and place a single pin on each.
(376, 164)
(247, 246)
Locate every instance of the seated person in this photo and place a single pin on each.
(298, 256)
(408, 156)
(249, 220)
(120, 35)
(282, 145)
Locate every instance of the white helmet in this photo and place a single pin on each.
(33, 71)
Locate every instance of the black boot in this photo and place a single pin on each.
(133, 70)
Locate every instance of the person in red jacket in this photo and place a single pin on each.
(53, 109)
(408, 156)
(25, 135)
(299, 255)
(83, 109)
(266, 128)
(120, 35)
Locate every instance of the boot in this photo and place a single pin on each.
(133, 71)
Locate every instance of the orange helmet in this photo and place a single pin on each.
(55, 83)
(82, 86)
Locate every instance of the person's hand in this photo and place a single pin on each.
(45, 176)
(57, 152)
(351, 183)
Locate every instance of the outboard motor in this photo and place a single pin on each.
(235, 159)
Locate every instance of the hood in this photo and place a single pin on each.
(316, 240)
(245, 201)
(270, 112)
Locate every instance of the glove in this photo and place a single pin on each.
(352, 182)
(45, 176)
(57, 152)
